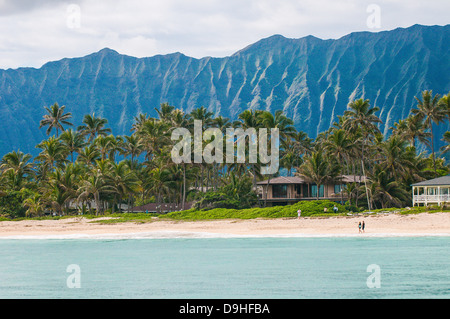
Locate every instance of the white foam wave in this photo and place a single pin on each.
(184, 234)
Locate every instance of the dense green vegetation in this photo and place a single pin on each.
(308, 208)
(90, 171)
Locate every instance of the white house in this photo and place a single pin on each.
(433, 191)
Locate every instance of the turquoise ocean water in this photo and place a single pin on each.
(257, 267)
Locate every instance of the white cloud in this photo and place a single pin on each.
(36, 31)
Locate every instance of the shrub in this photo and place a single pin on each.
(235, 194)
(11, 204)
(309, 208)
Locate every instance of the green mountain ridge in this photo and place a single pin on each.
(311, 79)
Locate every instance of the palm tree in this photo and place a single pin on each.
(55, 118)
(34, 205)
(202, 114)
(249, 119)
(397, 158)
(361, 117)
(339, 146)
(73, 141)
(123, 181)
(289, 156)
(385, 189)
(175, 183)
(158, 179)
(92, 187)
(89, 155)
(16, 166)
(93, 126)
(179, 119)
(412, 128)
(61, 187)
(444, 102)
(154, 136)
(70, 176)
(165, 112)
(281, 122)
(18, 162)
(53, 153)
(106, 145)
(430, 111)
(239, 189)
(131, 146)
(318, 169)
(303, 143)
(446, 139)
(221, 123)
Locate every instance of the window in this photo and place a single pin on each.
(298, 190)
(314, 190)
(338, 188)
(279, 191)
(305, 190)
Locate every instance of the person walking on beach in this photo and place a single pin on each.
(359, 226)
(362, 226)
(299, 213)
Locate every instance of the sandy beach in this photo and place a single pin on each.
(424, 224)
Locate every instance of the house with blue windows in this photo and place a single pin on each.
(435, 191)
(284, 190)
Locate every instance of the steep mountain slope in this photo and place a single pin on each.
(311, 79)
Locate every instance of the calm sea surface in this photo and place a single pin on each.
(329, 267)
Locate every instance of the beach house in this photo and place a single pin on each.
(284, 190)
(433, 191)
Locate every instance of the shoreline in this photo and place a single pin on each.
(202, 235)
(389, 225)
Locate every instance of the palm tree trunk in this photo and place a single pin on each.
(184, 186)
(159, 201)
(254, 177)
(432, 149)
(354, 179)
(364, 174)
(202, 180)
(97, 203)
(267, 188)
(365, 184)
(208, 171)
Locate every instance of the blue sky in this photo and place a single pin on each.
(36, 31)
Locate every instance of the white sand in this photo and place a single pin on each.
(424, 224)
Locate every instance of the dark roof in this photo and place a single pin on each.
(352, 178)
(443, 180)
(283, 180)
(300, 180)
(165, 207)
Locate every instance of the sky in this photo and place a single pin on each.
(33, 32)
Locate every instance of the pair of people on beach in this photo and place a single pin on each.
(361, 227)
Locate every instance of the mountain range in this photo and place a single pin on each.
(312, 80)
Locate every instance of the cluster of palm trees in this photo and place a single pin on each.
(389, 164)
(90, 169)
